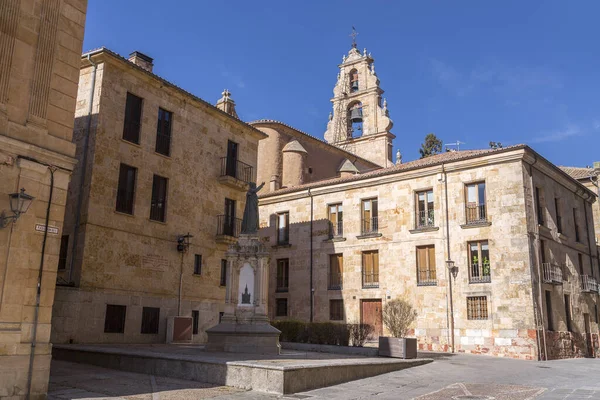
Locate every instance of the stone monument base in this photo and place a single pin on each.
(233, 337)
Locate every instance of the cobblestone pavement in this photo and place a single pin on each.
(460, 377)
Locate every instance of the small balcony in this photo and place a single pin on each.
(589, 284)
(235, 174)
(335, 282)
(228, 229)
(552, 273)
(336, 229)
(425, 219)
(479, 273)
(369, 227)
(370, 280)
(476, 214)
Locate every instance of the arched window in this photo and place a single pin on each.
(355, 119)
(353, 81)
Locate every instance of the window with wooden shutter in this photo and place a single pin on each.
(281, 307)
(336, 266)
(336, 310)
(150, 320)
(370, 269)
(163, 132)
(479, 262)
(158, 202)
(283, 228)
(476, 209)
(370, 222)
(426, 267)
(336, 221)
(477, 308)
(114, 320)
(133, 117)
(126, 189)
(283, 270)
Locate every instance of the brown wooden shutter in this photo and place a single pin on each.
(431, 262)
(375, 266)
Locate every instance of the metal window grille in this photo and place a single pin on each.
(228, 225)
(158, 203)
(133, 116)
(196, 321)
(336, 310)
(198, 264)
(150, 320)
(281, 309)
(237, 169)
(477, 308)
(114, 320)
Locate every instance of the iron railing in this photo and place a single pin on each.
(369, 225)
(236, 169)
(163, 144)
(476, 213)
(552, 273)
(157, 210)
(370, 280)
(335, 281)
(227, 225)
(426, 278)
(589, 284)
(425, 218)
(336, 229)
(479, 273)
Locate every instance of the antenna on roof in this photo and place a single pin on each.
(456, 144)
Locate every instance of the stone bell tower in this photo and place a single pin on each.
(360, 122)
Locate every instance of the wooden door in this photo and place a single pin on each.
(371, 314)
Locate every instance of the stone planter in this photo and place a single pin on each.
(397, 347)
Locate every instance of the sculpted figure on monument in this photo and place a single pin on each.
(250, 220)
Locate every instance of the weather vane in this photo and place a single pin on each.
(353, 35)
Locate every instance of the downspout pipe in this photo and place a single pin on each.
(39, 287)
(86, 142)
(312, 289)
(587, 230)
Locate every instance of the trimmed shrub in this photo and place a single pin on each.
(315, 332)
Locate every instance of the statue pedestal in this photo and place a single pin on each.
(244, 327)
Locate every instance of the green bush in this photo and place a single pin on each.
(317, 332)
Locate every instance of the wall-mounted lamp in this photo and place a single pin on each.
(183, 242)
(19, 204)
(452, 268)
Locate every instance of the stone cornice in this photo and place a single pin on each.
(20, 148)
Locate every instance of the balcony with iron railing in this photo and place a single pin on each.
(370, 227)
(235, 173)
(426, 278)
(589, 284)
(552, 273)
(228, 228)
(336, 229)
(479, 273)
(335, 281)
(370, 280)
(425, 219)
(476, 214)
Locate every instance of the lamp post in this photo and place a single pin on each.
(19, 204)
(452, 270)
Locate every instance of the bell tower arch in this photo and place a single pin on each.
(360, 121)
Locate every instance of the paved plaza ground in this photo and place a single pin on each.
(448, 377)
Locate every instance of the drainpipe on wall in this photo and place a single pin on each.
(451, 328)
(312, 289)
(39, 287)
(86, 141)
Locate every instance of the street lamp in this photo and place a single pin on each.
(19, 204)
(452, 268)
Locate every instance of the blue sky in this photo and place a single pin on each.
(474, 71)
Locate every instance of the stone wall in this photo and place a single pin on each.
(562, 345)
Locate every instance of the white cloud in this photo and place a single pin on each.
(558, 136)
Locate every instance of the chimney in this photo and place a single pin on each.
(226, 103)
(141, 60)
(274, 183)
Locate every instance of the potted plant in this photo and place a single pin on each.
(398, 316)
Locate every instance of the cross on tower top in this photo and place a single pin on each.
(353, 35)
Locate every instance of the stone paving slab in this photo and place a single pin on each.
(477, 391)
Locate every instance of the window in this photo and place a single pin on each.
(195, 321)
(426, 266)
(221, 314)
(114, 321)
(336, 310)
(425, 216)
(558, 215)
(62, 254)
(370, 272)
(229, 226)
(281, 309)
(353, 81)
(198, 264)
(150, 319)
(283, 228)
(580, 263)
(336, 269)
(231, 160)
(477, 307)
(576, 223)
(476, 204)
(126, 189)
(568, 312)
(223, 281)
(539, 205)
(549, 310)
(283, 271)
(479, 262)
(369, 216)
(355, 120)
(543, 251)
(133, 117)
(163, 132)
(158, 203)
(336, 221)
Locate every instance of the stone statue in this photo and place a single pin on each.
(250, 220)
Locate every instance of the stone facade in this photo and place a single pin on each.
(40, 46)
(131, 259)
(510, 290)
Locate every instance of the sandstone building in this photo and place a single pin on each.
(158, 164)
(40, 46)
(518, 229)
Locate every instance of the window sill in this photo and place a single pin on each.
(335, 239)
(424, 229)
(124, 214)
(198, 275)
(371, 287)
(157, 221)
(333, 288)
(168, 157)
(476, 224)
(479, 282)
(370, 235)
(281, 245)
(280, 290)
(131, 143)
